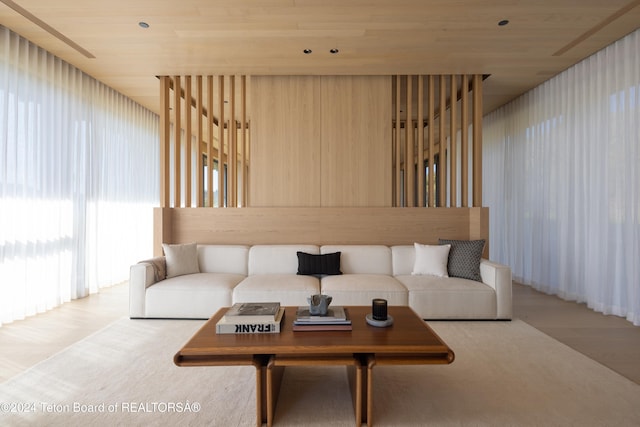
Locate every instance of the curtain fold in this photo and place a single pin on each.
(562, 183)
(78, 181)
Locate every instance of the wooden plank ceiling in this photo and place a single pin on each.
(373, 37)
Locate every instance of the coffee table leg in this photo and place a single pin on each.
(260, 392)
(371, 361)
(273, 383)
(355, 375)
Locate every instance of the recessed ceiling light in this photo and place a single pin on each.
(334, 51)
(143, 24)
(503, 22)
(307, 51)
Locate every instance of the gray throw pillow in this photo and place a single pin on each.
(464, 258)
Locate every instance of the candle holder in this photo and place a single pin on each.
(379, 316)
(379, 309)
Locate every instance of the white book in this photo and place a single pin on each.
(271, 327)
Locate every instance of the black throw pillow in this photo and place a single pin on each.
(325, 264)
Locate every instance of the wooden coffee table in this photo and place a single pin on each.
(409, 341)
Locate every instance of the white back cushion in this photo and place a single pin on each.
(404, 257)
(277, 259)
(223, 259)
(362, 259)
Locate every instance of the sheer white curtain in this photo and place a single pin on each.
(562, 180)
(78, 180)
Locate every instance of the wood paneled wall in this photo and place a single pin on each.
(435, 162)
(329, 225)
(285, 147)
(320, 141)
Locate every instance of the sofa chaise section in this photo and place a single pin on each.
(187, 296)
(433, 297)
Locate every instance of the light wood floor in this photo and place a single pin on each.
(610, 340)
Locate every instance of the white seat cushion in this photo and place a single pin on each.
(360, 289)
(449, 298)
(191, 296)
(287, 289)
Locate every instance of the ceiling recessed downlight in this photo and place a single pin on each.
(307, 51)
(143, 24)
(503, 22)
(334, 51)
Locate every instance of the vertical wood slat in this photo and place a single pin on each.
(232, 154)
(442, 150)
(165, 143)
(477, 140)
(420, 159)
(398, 159)
(210, 201)
(243, 138)
(431, 137)
(177, 127)
(464, 140)
(409, 161)
(220, 156)
(199, 138)
(188, 155)
(453, 153)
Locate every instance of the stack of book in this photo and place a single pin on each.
(251, 318)
(335, 320)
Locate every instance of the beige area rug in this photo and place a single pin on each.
(505, 374)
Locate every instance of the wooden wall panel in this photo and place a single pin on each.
(356, 155)
(337, 225)
(285, 141)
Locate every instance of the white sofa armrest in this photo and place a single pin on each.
(141, 276)
(498, 276)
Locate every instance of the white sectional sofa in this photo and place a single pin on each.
(220, 275)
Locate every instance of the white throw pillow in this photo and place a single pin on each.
(431, 260)
(181, 259)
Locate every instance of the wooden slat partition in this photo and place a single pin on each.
(223, 140)
(291, 225)
(442, 181)
(221, 102)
